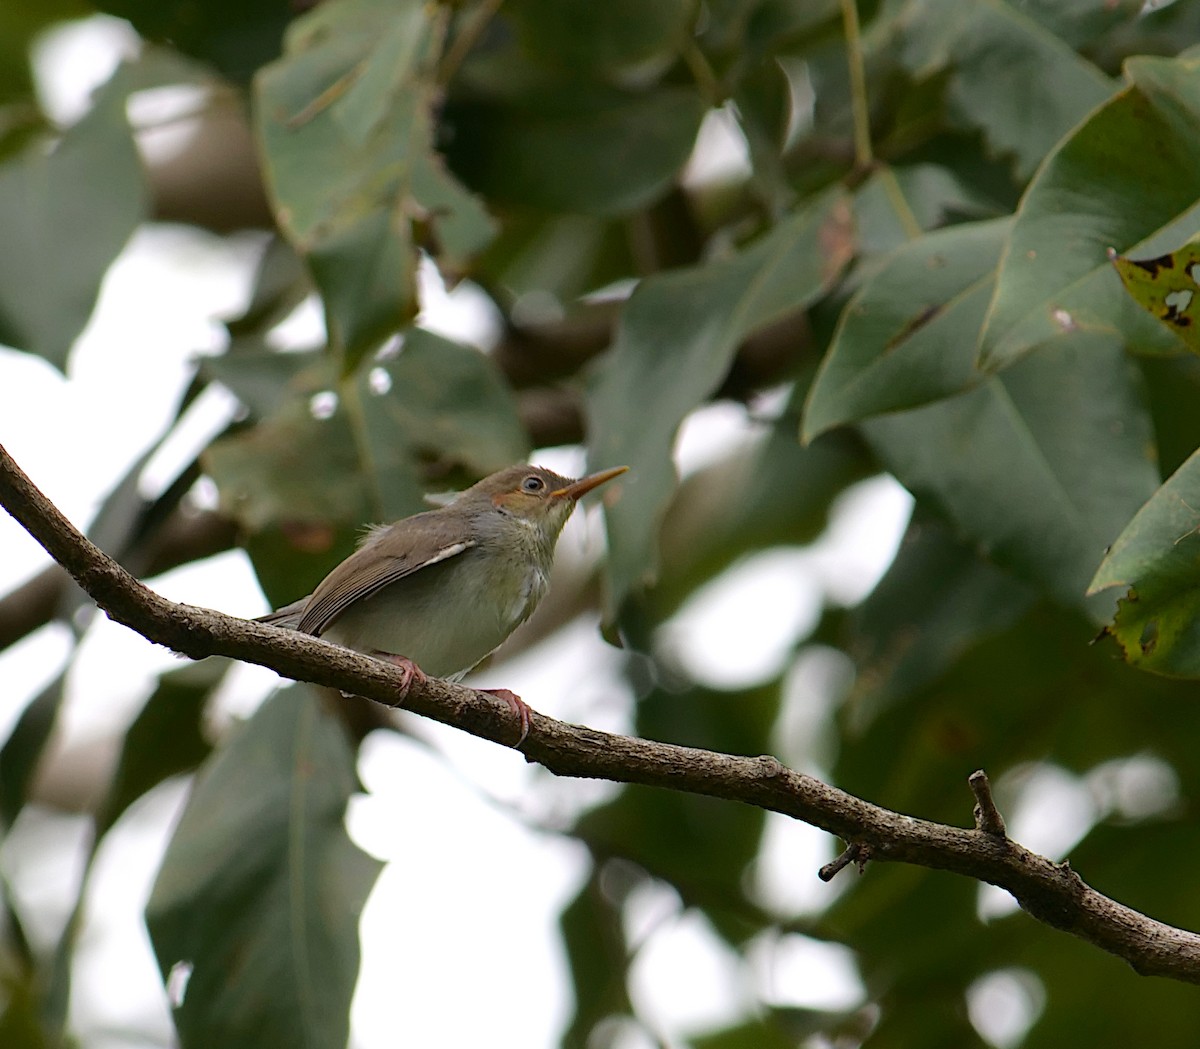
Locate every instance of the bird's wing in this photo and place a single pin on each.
(387, 555)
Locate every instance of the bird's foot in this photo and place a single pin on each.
(518, 707)
(407, 667)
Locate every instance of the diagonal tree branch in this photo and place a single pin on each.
(1051, 892)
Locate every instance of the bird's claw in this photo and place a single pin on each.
(410, 671)
(517, 705)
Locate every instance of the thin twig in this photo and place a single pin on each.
(855, 852)
(987, 817)
(1051, 892)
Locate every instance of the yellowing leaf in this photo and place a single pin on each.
(1168, 287)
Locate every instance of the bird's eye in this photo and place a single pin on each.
(532, 483)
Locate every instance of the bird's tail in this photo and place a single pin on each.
(288, 616)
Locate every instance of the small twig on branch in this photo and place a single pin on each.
(855, 852)
(987, 817)
(1051, 892)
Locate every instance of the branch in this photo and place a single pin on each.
(178, 539)
(1051, 892)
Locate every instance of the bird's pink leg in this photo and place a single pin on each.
(518, 707)
(407, 667)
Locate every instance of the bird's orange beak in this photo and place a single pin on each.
(579, 488)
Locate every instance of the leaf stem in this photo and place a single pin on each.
(465, 39)
(863, 156)
(899, 202)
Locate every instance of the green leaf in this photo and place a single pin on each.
(1040, 468)
(699, 845)
(974, 38)
(350, 450)
(599, 955)
(786, 1027)
(562, 145)
(908, 336)
(747, 29)
(936, 600)
(676, 340)
(563, 256)
(712, 719)
(896, 204)
(1127, 179)
(20, 24)
(346, 120)
(1166, 288)
(234, 36)
(23, 749)
(1075, 977)
(260, 891)
(19, 1023)
(280, 285)
(776, 494)
(49, 273)
(762, 106)
(1080, 21)
(1173, 389)
(165, 738)
(613, 36)
(1157, 623)
(1014, 698)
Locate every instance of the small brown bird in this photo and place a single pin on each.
(437, 592)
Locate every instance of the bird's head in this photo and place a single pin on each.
(537, 495)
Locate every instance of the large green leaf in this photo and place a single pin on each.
(1127, 179)
(897, 204)
(1173, 387)
(555, 259)
(613, 36)
(972, 40)
(595, 943)
(1014, 697)
(936, 601)
(908, 336)
(1041, 467)
(1079, 21)
(1158, 622)
(166, 738)
(349, 450)
(676, 340)
(346, 119)
(257, 903)
(567, 145)
(21, 752)
(235, 36)
(66, 213)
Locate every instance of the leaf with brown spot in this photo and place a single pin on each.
(1167, 287)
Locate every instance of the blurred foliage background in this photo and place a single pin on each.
(900, 265)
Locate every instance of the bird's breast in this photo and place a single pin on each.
(449, 616)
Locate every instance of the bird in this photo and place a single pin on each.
(437, 592)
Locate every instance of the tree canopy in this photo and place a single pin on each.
(954, 241)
